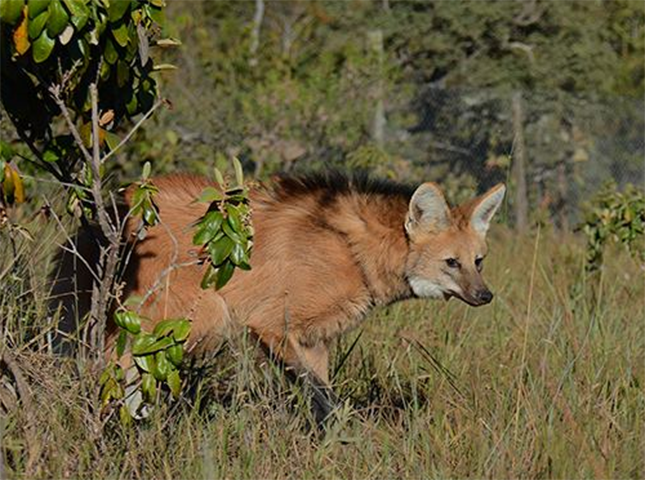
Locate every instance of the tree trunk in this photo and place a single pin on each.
(378, 126)
(519, 165)
(255, 32)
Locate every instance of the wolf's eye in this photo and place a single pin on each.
(479, 263)
(452, 263)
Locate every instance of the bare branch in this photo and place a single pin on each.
(133, 130)
(54, 90)
(95, 163)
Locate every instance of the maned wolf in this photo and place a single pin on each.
(327, 248)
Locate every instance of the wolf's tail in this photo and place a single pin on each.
(76, 268)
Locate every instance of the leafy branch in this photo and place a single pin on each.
(224, 232)
(615, 216)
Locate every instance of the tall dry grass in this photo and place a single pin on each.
(546, 382)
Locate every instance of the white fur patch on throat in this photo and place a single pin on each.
(425, 288)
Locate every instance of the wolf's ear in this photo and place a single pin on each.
(485, 207)
(428, 210)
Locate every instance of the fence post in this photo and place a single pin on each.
(519, 164)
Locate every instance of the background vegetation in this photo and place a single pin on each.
(545, 382)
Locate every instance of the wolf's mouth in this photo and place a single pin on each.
(464, 298)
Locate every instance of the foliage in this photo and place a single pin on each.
(224, 232)
(11, 187)
(53, 53)
(66, 41)
(157, 357)
(615, 216)
(143, 201)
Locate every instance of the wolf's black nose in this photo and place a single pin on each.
(485, 296)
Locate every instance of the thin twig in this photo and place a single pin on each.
(133, 130)
(12, 366)
(54, 90)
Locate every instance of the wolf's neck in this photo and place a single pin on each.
(373, 228)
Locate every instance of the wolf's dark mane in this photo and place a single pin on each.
(334, 183)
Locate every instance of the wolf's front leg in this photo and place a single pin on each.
(316, 362)
(310, 367)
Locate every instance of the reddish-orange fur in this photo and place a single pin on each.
(320, 262)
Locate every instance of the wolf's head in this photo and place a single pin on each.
(448, 246)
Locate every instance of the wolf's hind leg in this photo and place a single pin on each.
(211, 323)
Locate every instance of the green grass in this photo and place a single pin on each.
(546, 382)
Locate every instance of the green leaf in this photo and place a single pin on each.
(142, 342)
(58, 18)
(178, 327)
(164, 327)
(174, 382)
(181, 330)
(106, 375)
(120, 34)
(117, 9)
(109, 53)
(234, 218)
(122, 73)
(175, 354)
(219, 178)
(239, 174)
(37, 25)
(80, 12)
(156, 14)
(43, 47)
(147, 167)
(163, 366)
(208, 228)
(10, 10)
(213, 220)
(36, 7)
(209, 277)
(237, 254)
(120, 343)
(124, 416)
(244, 264)
(6, 151)
(203, 235)
(108, 391)
(147, 348)
(149, 214)
(148, 387)
(210, 195)
(145, 362)
(132, 322)
(224, 274)
(220, 250)
(232, 234)
(112, 140)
